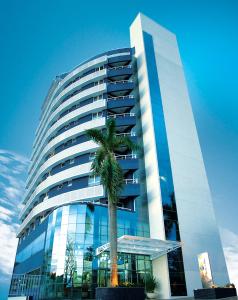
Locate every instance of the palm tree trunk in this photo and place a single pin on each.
(112, 215)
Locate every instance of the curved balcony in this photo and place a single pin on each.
(126, 119)
(84, 194)
(63, 137)
(69, 174)
(120, 116)
(131, 188)
(120, 103)
(121, 72)
(119, 60)
(94, 91)
(128, 161)
(71, 75)
(97, 76)
(132, 135)
(84, 74)
(80, 112)
(126, 156)
(120, 88)
(68, 153)
(55, 103)
(102, 59)
(85, 147)
(57, 115)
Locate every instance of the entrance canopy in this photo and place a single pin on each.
(141, 245)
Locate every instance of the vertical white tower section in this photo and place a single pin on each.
(197, 224)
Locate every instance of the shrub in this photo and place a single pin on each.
(126, 284)
(150, 283)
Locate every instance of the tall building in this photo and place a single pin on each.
(165, 212)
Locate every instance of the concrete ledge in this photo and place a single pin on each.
(214, 293)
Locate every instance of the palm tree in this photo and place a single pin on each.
(107, 167)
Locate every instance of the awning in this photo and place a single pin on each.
(141, 245)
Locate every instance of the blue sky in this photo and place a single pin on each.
(40, 39)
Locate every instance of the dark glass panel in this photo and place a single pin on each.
(166, 179)
(171, 230)
(178, 290)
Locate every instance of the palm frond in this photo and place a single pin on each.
(112, 178)
(97, 136)
(105, 164)
(111, 130)
(98, 160)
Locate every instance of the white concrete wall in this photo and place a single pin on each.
(155, 208)
(161, 273)
(198, 228)
(64, 136)
(84, 194)
(49, 182)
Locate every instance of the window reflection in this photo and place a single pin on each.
(34, 247)
(74, 232)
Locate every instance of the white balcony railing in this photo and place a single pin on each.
(126, 181)
(120, 81)
(120, 97)
(120, 67)
(131, 114)
(131, 181)
(126, 156)
(132, 133)
(121, 156)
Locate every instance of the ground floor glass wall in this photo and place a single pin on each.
(71, 269)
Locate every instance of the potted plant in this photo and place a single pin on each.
(216, 292)
(126, 284)
(151, 284)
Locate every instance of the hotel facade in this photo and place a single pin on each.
(165, 211)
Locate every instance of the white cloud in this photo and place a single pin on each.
(14, 156)
(13, 169)
(12, 192)
(230, 246)
(6, 214)
(4, 210)
(5, 218)
(4, 201)
(8, 242)
(5, 159)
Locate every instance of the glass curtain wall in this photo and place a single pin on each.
(71, 268)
